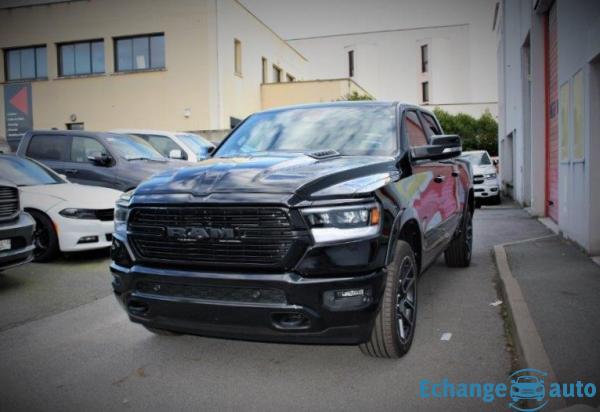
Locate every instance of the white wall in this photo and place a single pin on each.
(239, 96)
(461, 48)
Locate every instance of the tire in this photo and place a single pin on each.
(496, 200)
(459, 252)
(44, 238)
(393, 333)
(161, 332)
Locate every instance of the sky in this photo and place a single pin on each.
(305, 18)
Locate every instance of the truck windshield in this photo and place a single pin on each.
(23, 172)
(351, 130)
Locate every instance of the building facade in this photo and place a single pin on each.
(549, 97)
(441, 53)
(104, 64)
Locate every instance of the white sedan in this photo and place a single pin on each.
(69, 217)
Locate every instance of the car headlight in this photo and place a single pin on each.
(338, 223)
(490, 176)
(74, 213)
(122, 211)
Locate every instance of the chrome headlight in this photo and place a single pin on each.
(339, 223)
(122, 211)
(490, 176)
(74, 213)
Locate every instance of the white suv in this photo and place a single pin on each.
(174, 145)
(485, 177)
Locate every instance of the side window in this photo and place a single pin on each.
(49, 147)
(431, 126)
(82, 147)
(413, 129)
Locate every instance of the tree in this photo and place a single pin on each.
(476, 134)
(356, 96)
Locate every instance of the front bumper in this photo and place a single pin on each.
(72, 233)
(283, 307)
(487, 189)
(20, 232)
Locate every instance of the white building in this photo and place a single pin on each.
(440, 53)
(549, 100)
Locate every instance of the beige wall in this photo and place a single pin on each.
(316, 91)
(149, 99)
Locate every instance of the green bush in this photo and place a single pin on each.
(476, 134)
(356, 96)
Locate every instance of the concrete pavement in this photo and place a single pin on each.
(85, 354)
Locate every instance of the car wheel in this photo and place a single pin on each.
(459, 251)
(44, 238)
(496, 200)
(394, 327)
(162, 332)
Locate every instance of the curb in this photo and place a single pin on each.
(527, 339)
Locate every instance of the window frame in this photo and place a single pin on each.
(425, 58)
(350, 63)
(425, 91)
(35, 62)
(59, 59)
(237, 57)
(76, 136)
(279, 71)
(265, 70)
(424, 115)
(139, 36)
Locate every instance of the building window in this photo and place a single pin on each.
(237, 50)
(265, 70)
(26, 63)
(140, 53)
(424, 58)
(290, 78)
(425, 92)
(351, 63)
(276, 74)
(81, 58)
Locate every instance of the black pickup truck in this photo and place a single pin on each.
(308, 224)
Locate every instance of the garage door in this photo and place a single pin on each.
(551, 116)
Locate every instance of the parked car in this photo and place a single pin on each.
(174, 145)
(16, 226)
(308, 224)
(4, 147)
(485, 177)
(99, 159)
(69, 217)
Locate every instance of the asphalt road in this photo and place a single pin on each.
(65, 344)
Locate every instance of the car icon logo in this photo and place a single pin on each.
(527, 388)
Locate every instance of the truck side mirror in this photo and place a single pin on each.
(100, 159)
(444, 146)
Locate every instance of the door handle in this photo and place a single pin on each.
(71, 171)
(439, 179)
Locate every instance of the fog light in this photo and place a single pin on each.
(347, 299)
(119, 253)
(87, 239)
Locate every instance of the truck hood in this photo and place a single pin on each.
(274, 173)
(483, 169)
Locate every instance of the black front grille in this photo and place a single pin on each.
(9, 202)
(213, 293)
(257, 236)
(105, 214)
